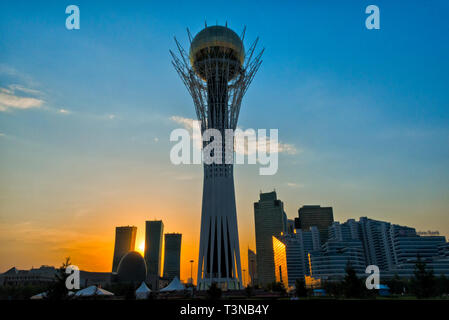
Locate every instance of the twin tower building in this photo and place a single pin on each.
(130, 266)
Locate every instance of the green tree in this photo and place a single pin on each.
(396, 284)
(58, 290)
(423, 284)
(443, 285)
(332, 288)
(353, 287)
(300, 288)
(278, 287)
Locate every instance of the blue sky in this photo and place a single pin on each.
(367, 111)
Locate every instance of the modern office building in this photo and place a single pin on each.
(153, 250)
(331, 261)
(439, 266)
(290, 225)
(172, 256)
(321, 217)
(269, 217)
(443, 250)
(378, 238)
(410, 247)
(125, 241)
(297, 246)
(217, 73)
(393, 248)
(280, 261)
(350, 230)
(252, 267)
(376, 241)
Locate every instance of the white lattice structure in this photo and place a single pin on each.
(217, 73)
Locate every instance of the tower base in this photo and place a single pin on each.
(222, 283)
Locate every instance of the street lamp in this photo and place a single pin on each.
(191, 268)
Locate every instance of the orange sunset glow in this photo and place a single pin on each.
(87, 118)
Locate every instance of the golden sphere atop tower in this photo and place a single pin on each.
(216, 42)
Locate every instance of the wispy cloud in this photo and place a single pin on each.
(185, 122)
(18, 87)
(19, 97)
(294, 185)
(285, 148)
(16, 75)
(64, 111)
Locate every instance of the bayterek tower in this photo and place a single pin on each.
(217, 72)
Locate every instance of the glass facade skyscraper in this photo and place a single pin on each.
(280, 261)
(320, 217)
(269, 217)
(297, 246)
(125, 241)
(172, 256)
(153, 248)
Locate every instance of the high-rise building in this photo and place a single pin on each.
(321, 217)
(252, 267)
(408, 247)
(331, 261)
(349, 230)
(125, 241)
(217, 73)
(378, 239)
(377, 244)
(280, 261)
(153, 250)
(297, 246)
(390, 246)
(443, 250)
(269, 217)
(290, 225)
(172, 256)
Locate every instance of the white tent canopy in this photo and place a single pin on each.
(143, 291)
(43, 295)
(39, 296)
(175, 285)
(93, 291)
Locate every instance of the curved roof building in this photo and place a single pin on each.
(132, 268)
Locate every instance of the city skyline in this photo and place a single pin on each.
(362, 119)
